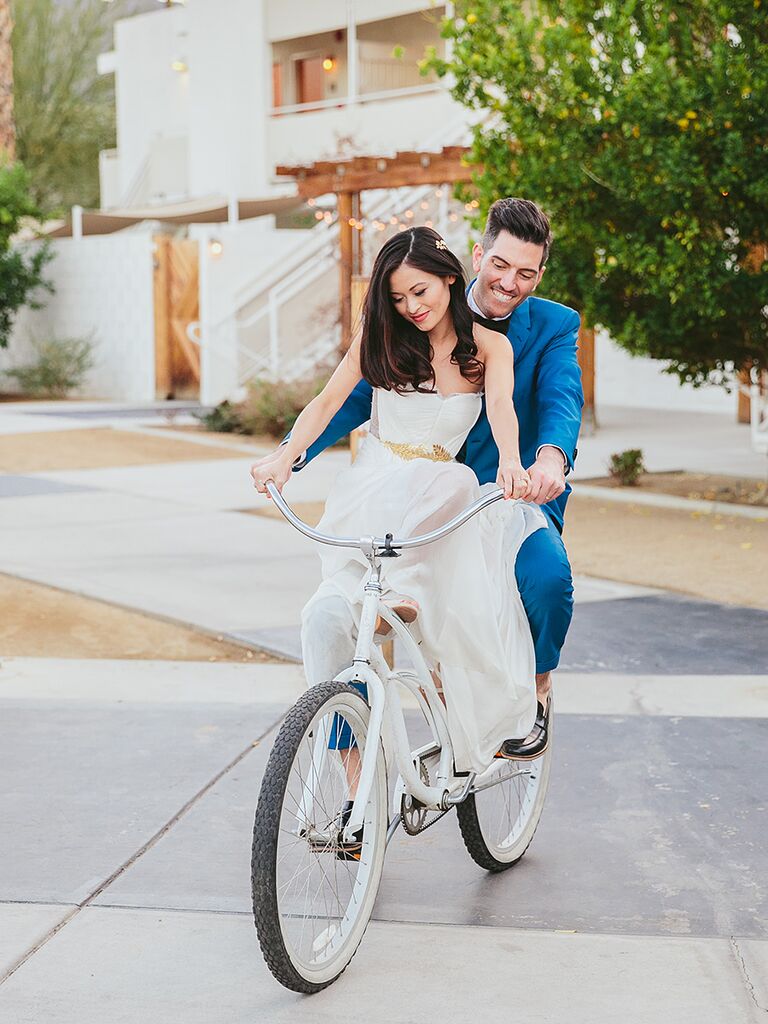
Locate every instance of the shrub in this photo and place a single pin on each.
(61, 365)
(225, 418)
(272, 407)
(626, 467)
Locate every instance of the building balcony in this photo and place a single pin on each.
(423, 117)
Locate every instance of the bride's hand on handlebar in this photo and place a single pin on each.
(275, 467)
(513, 479)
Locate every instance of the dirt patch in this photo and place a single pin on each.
(42, 622)
(716, 557)
(257, 440)
(706, 486)
(98, 448)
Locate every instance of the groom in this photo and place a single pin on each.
(509, 263)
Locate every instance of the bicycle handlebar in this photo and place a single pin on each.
(382, 542)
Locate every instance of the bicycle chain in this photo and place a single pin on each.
(429, 824)
(424, 772)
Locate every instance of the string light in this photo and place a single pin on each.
(319, 214)
(393, 220)
(428, 223)
(424, 205)
(310, 202)
(409, 214)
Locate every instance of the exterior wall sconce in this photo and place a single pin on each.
(215, 249)
(329, 64)
(179, 65)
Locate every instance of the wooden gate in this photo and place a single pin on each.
(177, 304)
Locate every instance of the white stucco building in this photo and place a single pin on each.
(212, 96)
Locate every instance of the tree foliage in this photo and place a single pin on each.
(65, 110)
(21, 271)
(641, 127)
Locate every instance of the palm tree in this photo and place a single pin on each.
(7, 127)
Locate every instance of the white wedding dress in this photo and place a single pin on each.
(471, 621)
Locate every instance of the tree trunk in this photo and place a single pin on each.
(7, 127)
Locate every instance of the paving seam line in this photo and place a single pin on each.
(520, 930)
(152, 841)
(672, 501)
(744, 973)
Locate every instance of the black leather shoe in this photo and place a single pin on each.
(535, 743)
(352, 849)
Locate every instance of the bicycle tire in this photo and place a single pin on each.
(273, 921)
(498, 849)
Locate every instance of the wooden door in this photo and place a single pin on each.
(177, 305)
(310, 86)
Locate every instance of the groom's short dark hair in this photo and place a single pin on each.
(522, 219)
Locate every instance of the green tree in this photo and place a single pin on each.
(21, 272)
(641, 127)
(65, 110)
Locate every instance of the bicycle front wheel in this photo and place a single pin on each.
(498, 823)
(313, 891)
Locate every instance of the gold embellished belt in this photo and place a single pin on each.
(416, 451)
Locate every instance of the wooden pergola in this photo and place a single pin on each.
(347, 179)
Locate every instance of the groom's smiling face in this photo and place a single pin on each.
(508, 271)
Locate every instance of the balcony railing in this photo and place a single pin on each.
(360, 98)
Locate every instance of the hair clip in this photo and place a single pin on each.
(440, 244)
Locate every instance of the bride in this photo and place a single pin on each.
(430, 368)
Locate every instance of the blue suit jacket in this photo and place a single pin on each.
(548, 396)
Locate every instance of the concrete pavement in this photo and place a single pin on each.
(124, 891)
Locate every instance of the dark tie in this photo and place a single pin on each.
(500, 326)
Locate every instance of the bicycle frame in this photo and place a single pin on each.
(370, 668)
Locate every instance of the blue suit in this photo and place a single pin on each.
(548, 399)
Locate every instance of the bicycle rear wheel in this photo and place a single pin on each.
(498, 823)
(311, 900)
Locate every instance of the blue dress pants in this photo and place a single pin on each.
(546, 588)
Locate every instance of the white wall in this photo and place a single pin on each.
(104, 289)
(152, 99)
(640, 383)
(230, 94)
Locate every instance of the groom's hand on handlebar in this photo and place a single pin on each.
(547, 476)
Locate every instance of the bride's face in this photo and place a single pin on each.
(420, 297)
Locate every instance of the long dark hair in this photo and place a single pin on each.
(395, 354)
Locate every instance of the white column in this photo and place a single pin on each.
(352, 68)
(77, 222)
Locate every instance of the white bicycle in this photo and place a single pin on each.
(322, 825)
